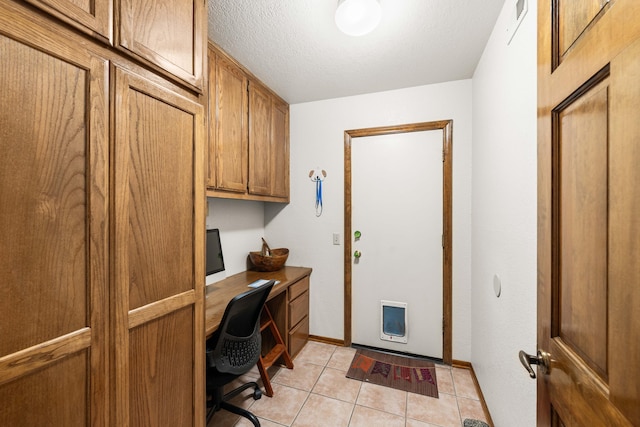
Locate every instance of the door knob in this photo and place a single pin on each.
(542, 359)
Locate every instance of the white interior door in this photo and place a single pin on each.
(397, 206)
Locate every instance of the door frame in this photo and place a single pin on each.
(446, 126)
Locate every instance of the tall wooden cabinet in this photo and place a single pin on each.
(156, 289)
(102, 266)
(54, 270)
(248, 135)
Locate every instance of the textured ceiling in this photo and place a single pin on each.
(295, 48)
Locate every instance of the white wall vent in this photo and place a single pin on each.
(516, 15)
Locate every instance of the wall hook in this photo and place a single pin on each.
(318, 175)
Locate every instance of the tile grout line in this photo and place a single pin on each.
(312, 387)
(406, 408)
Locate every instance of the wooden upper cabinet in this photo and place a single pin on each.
(168, 33)
(228, 126)
(248, 135)
(93, 17)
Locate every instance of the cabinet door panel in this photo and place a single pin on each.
(298, 309)
(168, 33)
(211, 121)
(298, 288)
(91, 16)
(155, 381)
(42, 402)
(298, 337)
(230, 121)
(260, 163)
(158, 255)
(280, 150)
(160, 177)
(53, 187)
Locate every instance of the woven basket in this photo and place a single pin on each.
(273, 262)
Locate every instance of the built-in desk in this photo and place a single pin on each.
(288, 302)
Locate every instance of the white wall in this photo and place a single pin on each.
(504, 220)
(317, 140)
(241, 225)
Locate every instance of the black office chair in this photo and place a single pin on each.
(234, 349)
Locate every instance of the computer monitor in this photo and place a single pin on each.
(215, 260)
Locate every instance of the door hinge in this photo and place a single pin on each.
(443, 155)
(442, 241)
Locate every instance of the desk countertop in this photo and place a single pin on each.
(220, 293)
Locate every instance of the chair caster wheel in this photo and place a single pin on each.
(257, 394)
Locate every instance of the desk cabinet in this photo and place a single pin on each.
(298, 325)
(290, 311)
(288, 303)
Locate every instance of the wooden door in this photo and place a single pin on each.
(260, 164)
(169, 33)
(280, 149)
(54, 228)
(228, 117)
(158, 256)
(588, 201)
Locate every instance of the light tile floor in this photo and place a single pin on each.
(316, 393)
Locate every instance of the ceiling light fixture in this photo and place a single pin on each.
(358, 17)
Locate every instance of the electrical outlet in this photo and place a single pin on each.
(336, 238)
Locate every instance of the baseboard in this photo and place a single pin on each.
(326, 340)
(467, 365)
